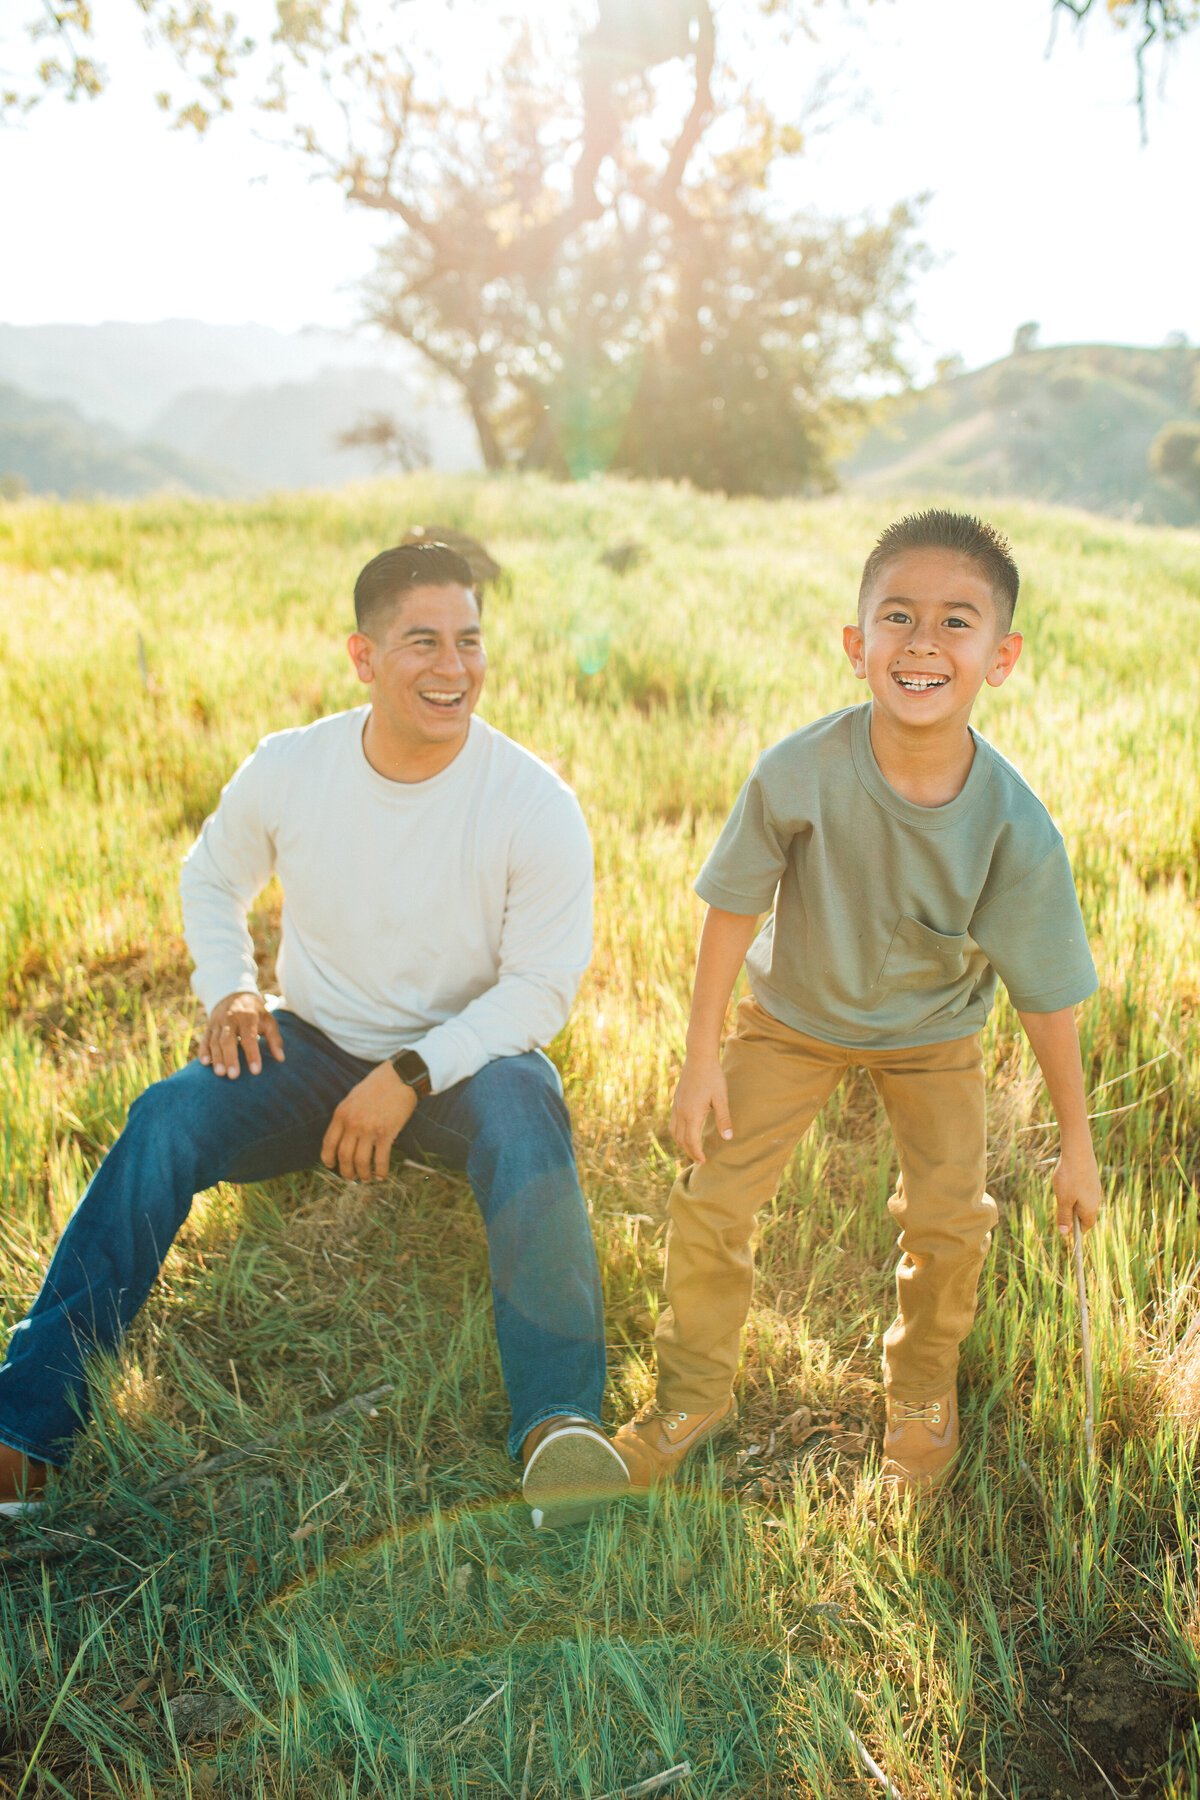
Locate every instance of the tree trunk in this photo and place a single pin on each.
(493, 451)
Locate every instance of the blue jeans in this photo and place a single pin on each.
(507, 1127)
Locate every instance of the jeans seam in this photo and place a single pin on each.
(450, 1132)
(264, 1143)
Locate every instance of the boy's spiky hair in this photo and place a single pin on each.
(967, 536)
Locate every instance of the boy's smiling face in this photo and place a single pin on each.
(931, 632)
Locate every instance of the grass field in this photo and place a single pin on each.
(361, 1609)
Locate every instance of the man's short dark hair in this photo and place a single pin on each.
(393, 573)
(967, 536)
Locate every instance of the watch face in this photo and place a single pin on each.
(410, 1066)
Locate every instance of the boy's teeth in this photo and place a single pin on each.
(921, 682)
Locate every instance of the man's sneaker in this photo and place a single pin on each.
(22, 1483)
(919, 1443)
(571, 1470)
(654, 1443)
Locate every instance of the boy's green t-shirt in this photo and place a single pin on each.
(892, 921)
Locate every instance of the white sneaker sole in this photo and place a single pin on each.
(572, 1474)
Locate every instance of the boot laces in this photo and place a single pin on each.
(908, 1412)
(672, 1420)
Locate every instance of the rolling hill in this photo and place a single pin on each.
(1071, 425)
(48, 447)
(124, 408)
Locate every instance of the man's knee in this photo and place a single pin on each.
(166, 1105)
(174, 1127)
(518, 1099)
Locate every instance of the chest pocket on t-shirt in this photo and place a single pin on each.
(920, 958)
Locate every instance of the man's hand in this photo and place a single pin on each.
(239, 1020)
(1076, 1184)
(701, 1090)
(367, 1123)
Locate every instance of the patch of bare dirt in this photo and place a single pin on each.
(768, 1462)
(1108, 1716)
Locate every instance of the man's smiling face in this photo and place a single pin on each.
(426, 666)
(930, 634)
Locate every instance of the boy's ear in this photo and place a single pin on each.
(1004, 661)
(852, 643)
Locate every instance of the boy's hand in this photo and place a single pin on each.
(1076, 1184)
(1076, 1179)
(701, 1090)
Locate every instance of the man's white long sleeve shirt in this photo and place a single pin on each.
(452, 916)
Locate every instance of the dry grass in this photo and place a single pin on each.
(197, 1645)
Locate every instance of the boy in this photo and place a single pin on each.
(909, 866)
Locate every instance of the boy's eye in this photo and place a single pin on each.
(965, 623)
(896, 618)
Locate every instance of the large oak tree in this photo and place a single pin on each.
(590, 236)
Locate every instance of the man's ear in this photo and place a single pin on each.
(362, 654)
(1004, 661)
(852, 643)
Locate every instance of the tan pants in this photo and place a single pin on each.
(778, 1081)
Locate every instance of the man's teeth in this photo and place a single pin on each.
(919, 683)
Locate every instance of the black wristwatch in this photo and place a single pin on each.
(410, 1067)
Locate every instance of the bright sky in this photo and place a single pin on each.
(1044, 206)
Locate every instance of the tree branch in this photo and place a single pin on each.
(384, 200)
(1166, 19)
(699, 115)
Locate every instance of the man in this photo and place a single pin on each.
(437, 919)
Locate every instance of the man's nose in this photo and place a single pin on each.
(449, 660)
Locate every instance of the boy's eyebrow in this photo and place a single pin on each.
(949, 605)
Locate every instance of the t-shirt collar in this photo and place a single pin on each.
(396, 792)
(924, 818)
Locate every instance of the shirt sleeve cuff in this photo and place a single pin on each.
(1055, 999)
(210, 986)
(728, 901)
(452, 1053)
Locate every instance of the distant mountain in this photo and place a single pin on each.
(286, 435)
(127, 373)
(1072, 425)
(50, 448)
(125, 409)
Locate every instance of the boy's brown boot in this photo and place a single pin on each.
(920, 1442)
(654, 1443)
